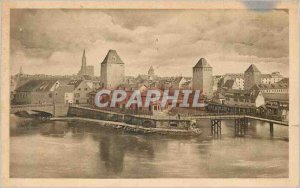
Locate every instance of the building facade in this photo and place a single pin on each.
(271, 78)
(238, 79)
(112, 70)
(203, 78)
(82, 88)
(217, 82)
(278, 105)
(238, 98)
(64, 94)
(277, 87)
(36, 92)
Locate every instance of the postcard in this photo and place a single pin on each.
(150, 94)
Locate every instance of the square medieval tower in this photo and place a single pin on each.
(112, 70)
(203, 78)
(252, 77)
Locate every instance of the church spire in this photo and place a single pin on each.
(83, 63)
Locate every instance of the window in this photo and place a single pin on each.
(50, 95)
(85, 89)
(77, 94)
(79, 89)
(173, 124)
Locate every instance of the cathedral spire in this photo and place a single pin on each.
(83, 63)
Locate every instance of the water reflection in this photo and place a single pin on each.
(113, 148)
(42, 149)
(56, 129)
(112, 154)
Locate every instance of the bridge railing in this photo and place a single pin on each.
(30, 105)
(264, 116)
(196, 113)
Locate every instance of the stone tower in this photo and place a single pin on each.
(203, 78)
(252, 76)
(112, 70)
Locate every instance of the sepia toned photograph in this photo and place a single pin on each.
(123, 93)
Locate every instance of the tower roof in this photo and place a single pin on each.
(83, 62)
(252, 68)
(83, 54)
(202, 63)
(112, 58)
(151, 68)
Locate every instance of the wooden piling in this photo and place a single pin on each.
(216, 126)
(240, 126)
(271, 128)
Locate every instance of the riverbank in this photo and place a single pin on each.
(134, 128)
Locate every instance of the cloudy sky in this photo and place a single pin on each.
(52, 41)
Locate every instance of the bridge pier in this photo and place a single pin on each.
(216, 126)
(240, 126)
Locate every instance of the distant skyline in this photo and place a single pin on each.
(172, 41)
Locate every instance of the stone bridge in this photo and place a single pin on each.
(56, 109)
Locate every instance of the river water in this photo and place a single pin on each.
(77, 149)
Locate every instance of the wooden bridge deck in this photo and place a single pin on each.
(204, 116)
(49, 108)
(241, 116)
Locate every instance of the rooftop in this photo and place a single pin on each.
(75, 83)
(276, 96)
(37, 86)
(202, 63)
(112, 57)
(252, 68)
(235, 75)
(277, 85)
(65, 88)
(229, 84)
